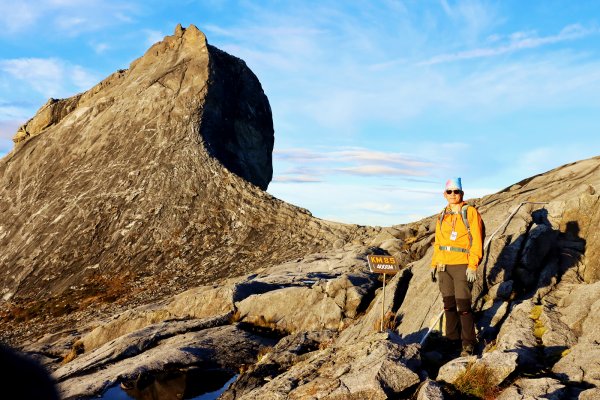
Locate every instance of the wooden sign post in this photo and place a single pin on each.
(383, 265)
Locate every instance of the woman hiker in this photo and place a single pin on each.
(458, 248)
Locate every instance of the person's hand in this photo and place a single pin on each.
(471, 275)
(434, 274)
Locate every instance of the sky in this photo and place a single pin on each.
(375, 103)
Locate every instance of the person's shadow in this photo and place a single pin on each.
(526, 268)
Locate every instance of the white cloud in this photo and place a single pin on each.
(8, 128)
(50, 77)
(10, 112)
(355, 154)
(327, 76)
(353, 161)
(46, 76)
(70, 17)
(518, 41)
(100, 48)
(368, 155)
(18, 15)
(296, 179)
(153, 36)
(379, 170)
(211, 29)
(82, 78)
(71, 23)
(472, 18)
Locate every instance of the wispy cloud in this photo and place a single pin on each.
(311, 165)
(153, 36)
(296, 179)
(379, 170)
(18, 15)
(12, 112)
(341, 82)
(354, 203)
(50, 77)
(379, 208)
(69, 17)
(517, 41)
(366, 155)
(351, 155)
(100, 48)
(8, 128)
(471, 18)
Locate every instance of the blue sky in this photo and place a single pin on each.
(375, 103)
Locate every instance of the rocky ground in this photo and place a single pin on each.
(308, 328)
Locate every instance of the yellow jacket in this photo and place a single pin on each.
(443, 233)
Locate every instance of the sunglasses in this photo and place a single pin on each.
(455, 191)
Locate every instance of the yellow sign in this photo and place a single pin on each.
(383, 264)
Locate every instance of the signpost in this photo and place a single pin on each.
(383, 265)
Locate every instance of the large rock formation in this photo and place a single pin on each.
(133, 190)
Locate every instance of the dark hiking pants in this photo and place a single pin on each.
(456, 294)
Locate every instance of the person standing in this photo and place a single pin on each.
(457, 251)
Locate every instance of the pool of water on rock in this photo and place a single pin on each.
(193, 384)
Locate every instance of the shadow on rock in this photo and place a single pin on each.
(23, 378)
(526, 268)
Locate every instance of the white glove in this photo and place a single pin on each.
(471, 275)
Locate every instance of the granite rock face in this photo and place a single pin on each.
(147, 184)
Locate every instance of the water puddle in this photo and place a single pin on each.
(193, 384)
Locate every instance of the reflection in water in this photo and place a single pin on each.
(193, 384)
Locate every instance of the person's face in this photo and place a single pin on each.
(454, 197)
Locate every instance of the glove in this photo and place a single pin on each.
(471, 275)
(434, 274)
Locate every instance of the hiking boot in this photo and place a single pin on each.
(467, 350)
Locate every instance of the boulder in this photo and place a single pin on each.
(291, 310)
(277, 360)
(517, 335)
(322, 291)
(580, 364)
(500, 364)
(530, 389)
(430, 390)
(454, 369)
(122, 324)
(575, 306)
(590, 394)
(374, 368)
(225, 347)
(132, 344)
(202, 302)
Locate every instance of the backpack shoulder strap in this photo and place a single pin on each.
(442, 215)
(463, 213)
